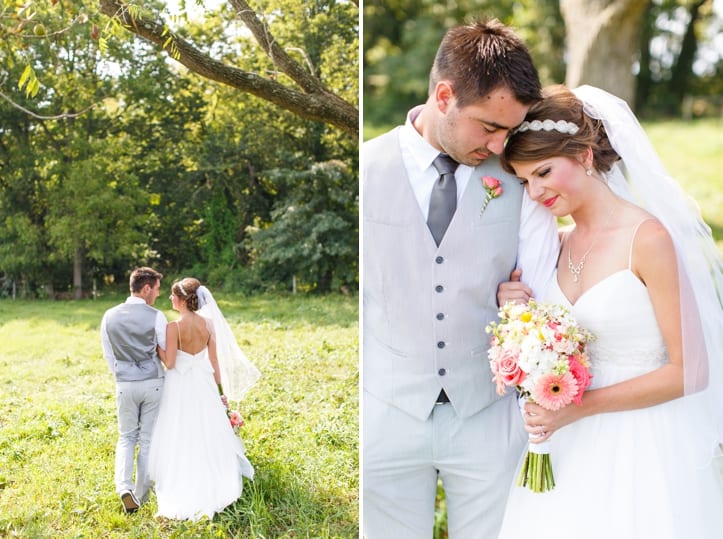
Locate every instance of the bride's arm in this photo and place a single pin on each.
(654, 262)
(213, 358)
(169, 358)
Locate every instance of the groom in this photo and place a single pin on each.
(429, 407)
(131, 334)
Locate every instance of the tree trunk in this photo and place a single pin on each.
(602, 41)
(645, 79)
(684, 65)
(78, 274)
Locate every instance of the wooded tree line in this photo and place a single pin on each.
(643, 51)
(118, 148)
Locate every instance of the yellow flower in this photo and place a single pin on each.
(526, 316)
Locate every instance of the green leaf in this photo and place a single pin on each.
(27, 72)
(33, 87)
(30, 81)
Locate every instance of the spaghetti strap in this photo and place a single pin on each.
(632, 241)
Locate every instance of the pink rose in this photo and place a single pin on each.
(492, 188)
(507, 371)
(582, 376)
(235, 418)
(491, 183)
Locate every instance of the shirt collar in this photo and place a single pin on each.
(135, 299)
(421, 151)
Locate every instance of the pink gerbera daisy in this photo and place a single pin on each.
(553, 391)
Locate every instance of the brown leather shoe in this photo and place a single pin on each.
(129, 501)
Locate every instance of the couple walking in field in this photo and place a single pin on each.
(459, 217)
(173, 382)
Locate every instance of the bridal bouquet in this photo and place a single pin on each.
(235, 419)
(540, 350)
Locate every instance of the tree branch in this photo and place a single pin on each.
(314, 103)
(308, 81)
(62, 116)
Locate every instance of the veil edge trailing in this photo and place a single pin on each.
(238, 374)
(641, 178)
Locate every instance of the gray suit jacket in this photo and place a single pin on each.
(426, 307)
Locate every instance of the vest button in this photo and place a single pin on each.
(439, 259)
(442, 372)
(440, 316)
(439, 288)
(441, 344)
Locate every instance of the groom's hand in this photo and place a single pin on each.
(513, 290)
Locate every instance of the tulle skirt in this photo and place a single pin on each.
(638, 474)
(196, 460)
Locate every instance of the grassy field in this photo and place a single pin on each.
(58, 426)
(692, 151)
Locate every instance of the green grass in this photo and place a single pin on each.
(692, 152)
(58, 426)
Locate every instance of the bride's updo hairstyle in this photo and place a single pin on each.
(186, 290)
(559, 104)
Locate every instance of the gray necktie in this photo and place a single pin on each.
(444, 197)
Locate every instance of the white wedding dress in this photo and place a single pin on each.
(196, 460)
(637, 474)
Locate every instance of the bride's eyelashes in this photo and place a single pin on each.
(540, 174)
(544, 172)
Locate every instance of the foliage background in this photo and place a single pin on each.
(160, 166)
(401, 38)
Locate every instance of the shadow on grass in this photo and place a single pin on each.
(277, 503)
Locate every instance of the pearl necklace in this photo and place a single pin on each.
(577, 270)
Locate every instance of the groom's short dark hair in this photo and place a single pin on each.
(481, 57)
(143, 276)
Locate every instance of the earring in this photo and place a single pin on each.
(589, 172)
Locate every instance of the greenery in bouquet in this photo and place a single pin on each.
(539, 349)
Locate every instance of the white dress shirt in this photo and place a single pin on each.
(539, 243)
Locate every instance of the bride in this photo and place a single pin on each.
(640, 270)
(196, 461)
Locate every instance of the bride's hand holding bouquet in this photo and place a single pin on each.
(540, 350)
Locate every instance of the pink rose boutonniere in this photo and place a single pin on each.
(493, 188)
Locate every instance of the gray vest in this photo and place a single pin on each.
(132, 332)
(426, 307)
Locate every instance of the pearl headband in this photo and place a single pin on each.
(180, 287)
(566, 128)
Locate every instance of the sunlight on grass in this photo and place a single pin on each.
(692, 152)
(57, 423)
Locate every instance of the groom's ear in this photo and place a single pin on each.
(443, 94)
